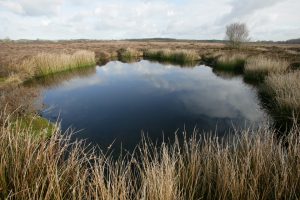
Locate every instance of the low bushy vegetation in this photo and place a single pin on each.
(180, 56)
(256, 68)
(231, 62)
(249, 165)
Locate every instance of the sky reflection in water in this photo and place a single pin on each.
(120, 100)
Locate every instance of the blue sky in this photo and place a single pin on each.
(112, 19)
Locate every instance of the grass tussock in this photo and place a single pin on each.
(249, 165)
(231, 62)
(44, 64)
(180, 56)
(284, 90)
(257, 68)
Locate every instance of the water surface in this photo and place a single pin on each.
(116, 102)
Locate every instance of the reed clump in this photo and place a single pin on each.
(247, 165)
(44, 64)
(180, 56)
(231, 62)
(284, 92)
(257, 68)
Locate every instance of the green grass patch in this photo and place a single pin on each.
(39, 126)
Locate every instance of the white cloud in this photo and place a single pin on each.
(104, 19)
(12, 6)
(246, 8)
(32, 7)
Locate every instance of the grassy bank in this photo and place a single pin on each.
(180, 56)
(249, 165)
(278, 83)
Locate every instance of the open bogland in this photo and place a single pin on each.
(249, 165)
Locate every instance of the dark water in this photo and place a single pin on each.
(118, 101)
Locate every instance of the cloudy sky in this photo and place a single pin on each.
(123, 19)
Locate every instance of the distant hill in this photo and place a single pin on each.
(172, 40)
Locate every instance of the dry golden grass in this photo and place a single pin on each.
(51, 63)
(257, 68)
(159, 172)
(48, 63)
(284, 89)
(249, 165)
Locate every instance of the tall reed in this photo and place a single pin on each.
(51, 63)
(48, 63)
(284, 92)
(247, 165)
(257, 68)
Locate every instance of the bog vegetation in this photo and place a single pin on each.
(43, 163)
